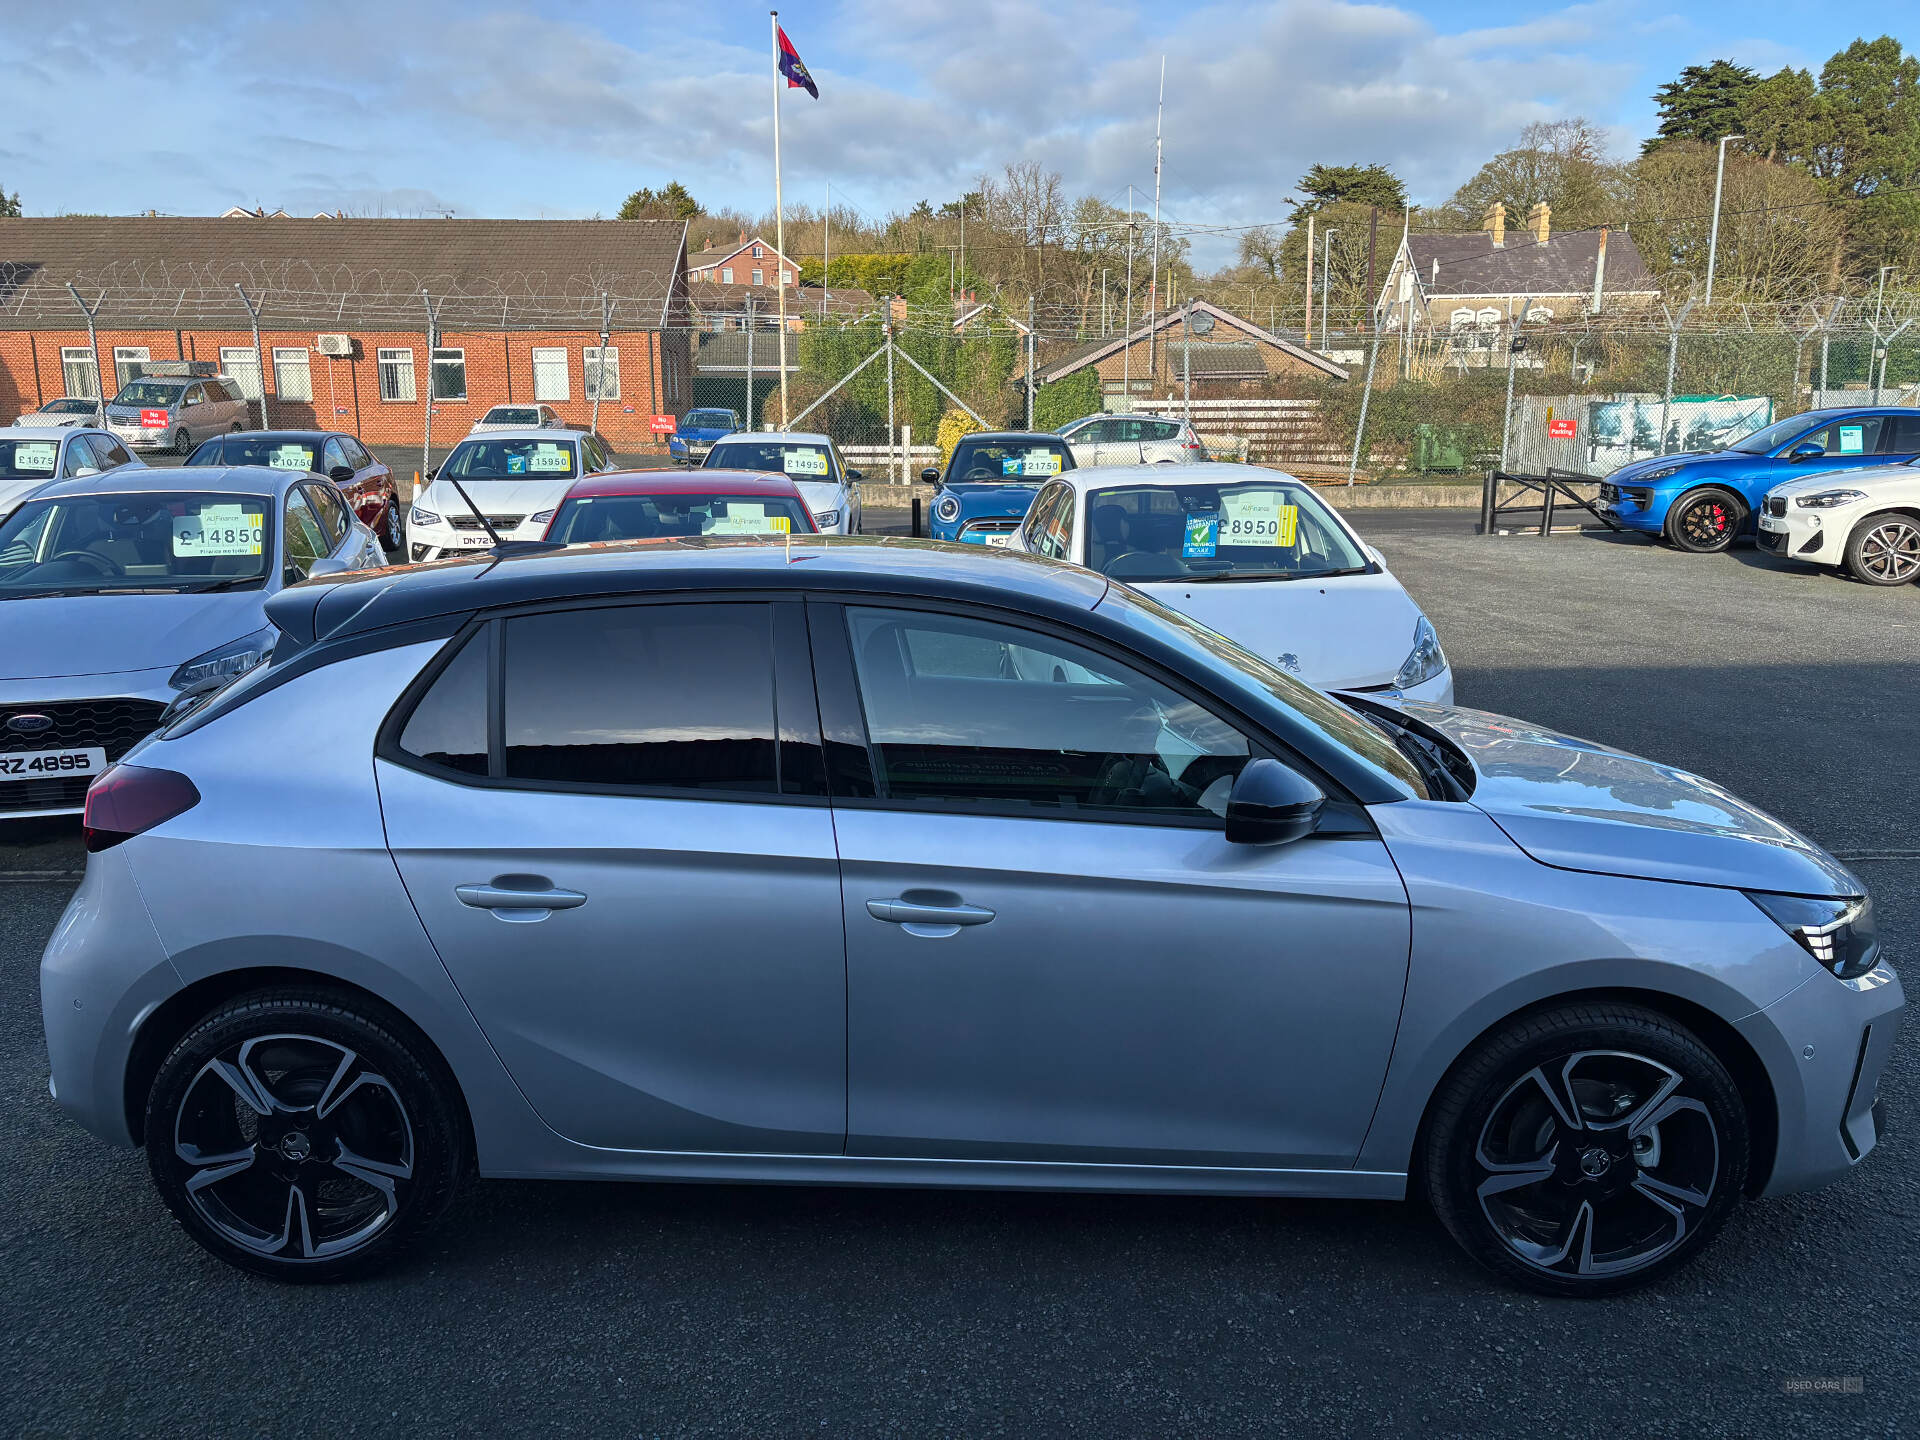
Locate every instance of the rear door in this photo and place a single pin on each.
(1900, 439)
(612, 822)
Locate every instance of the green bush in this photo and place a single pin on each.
(1067, 399)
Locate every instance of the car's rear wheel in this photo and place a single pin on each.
(1586, 1149)
(1884, 549)
(303, 1135)
(1705, 521)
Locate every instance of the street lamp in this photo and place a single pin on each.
(1326, 281)
(1713, 241)
(1196, 324)
(1880, 295)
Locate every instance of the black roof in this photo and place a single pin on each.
(338, 608)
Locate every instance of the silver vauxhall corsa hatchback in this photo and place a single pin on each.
(877, 863)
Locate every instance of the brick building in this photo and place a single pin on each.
(343, 316)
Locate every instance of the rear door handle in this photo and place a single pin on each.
(931, 921)
(516, 904)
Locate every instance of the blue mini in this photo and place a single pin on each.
(1703, 502)
(988, 484)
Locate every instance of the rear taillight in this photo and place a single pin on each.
(128, 800)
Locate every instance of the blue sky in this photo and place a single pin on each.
(560, 107)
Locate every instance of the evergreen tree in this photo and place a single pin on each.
(1705, 103)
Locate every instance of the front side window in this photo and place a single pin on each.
(1855, 435)
(1250, 530)
(646, 696)
(601, 368)
(292, 376)
(396, 374)
(1056, 541)
(1015, 460)
(799, 460)
(588, 519)
(449, 374)
(550, 374)
(100, 544)
(333, 455)
(977, 714)
(1773, 436)
(488, 458)
(79, 372)
(331, 511)
(243, 365)
(1038, 513)
(306, 541)
(108, 453)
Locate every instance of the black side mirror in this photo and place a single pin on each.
(931, 475)
(432, 473)
(341, 474)
(1272, 805)
(854, 475)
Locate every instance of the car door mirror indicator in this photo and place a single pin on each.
(1272, 805)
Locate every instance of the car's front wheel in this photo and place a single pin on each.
(1586, 1149)
(303, 1135)
(391, 537)
(1705, 521)
(182, 441)
(1884, 549)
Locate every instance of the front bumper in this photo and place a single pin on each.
(112, 712)
(138, 437)
(440, 541)
(1437, 690)
(1817, 537)
(1634, 507)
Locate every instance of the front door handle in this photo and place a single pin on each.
(927, 917)
(523, 898)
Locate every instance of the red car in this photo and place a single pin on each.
(666, 504)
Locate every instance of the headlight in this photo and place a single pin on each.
(946, 509)
(216, 667)
(417, 516)
(1827, 499)
(1425, 660)
(1839, 933)
(826, 518)
(540, 517)
(1661, 473)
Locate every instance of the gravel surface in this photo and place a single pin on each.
(670, 1310)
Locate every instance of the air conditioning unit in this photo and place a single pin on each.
(333, 344)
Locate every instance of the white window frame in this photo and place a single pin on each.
(1463, 318)
(726, 274)
(396, 360)
(548, 356)
(596, 364)
(786, 277)
(125, 356)
(241, 363)
(292, 373)
(78, 362)
(756, 253)
(1489, 318)
(447, 355)
(759, 276)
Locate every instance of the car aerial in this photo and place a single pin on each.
(67, 410)
(1255, 555)
(696, 431)
(812, 462)
(1703, 502)
(365, 483)
(908, 865)
(517, 477)
(518, 417)
(1866, 522)
(1133, 440)
(989, 481)
(175, 412)
(31, 457)
(649, 505)
(129, 592)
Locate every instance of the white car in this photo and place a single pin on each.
(518, 417)
(832, 491)
(1866, 522)
(32, 456)
(516, 477)
(1255, 555)
(1132, 440)
(58, 414)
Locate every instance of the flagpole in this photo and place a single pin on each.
(779, 219)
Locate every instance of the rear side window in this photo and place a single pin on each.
(1160, 430)
(645, 696)
(449, 725)
(1901, 436)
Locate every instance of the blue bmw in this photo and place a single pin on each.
(1703, 502)
(991, 479)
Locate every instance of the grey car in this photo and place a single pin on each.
(124, 592)
(33, 456)
(176, 412)
(872, 862)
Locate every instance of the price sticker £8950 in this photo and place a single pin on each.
(1258, 518)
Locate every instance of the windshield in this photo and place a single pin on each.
(102, 544)
(710, 420)
(1256, 529)
(153, 393)
(28, 459)
(492, 459)
(649, 517)
(798, 459)
(1774, 436)
(1322, 712)
(993, 460)
(512, 415)
(273, 451)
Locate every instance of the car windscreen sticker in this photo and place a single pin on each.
(1852, 439)
(745, 517)
(35, 456)
(1040, 462)
(1010, 465)
(804, 462)
(547, 459)
(218, 530)
(1256, 517)
(291, 457)
(1203, 537)
(516, 464)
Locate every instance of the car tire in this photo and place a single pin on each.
(392, 540)
(1586, 1149)
(332, 1135)
(1884, 549)
(182, 441)
(1705, 522)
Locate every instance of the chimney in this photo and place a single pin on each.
(743, 237)
(1539, 220)
(1495, 222)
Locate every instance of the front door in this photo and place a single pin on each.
(629, 871)
(1053, 953)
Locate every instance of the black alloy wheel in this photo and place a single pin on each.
(1706, 521)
